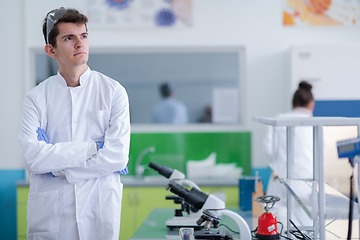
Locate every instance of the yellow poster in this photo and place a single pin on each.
(321, 13)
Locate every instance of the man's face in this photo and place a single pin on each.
(72, 45)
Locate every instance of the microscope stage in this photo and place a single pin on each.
(212, 235)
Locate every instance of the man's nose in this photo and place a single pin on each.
(79, 42)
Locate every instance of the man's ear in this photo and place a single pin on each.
(50, 50)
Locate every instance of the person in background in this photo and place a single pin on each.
(169, 110)
(275, 145)
(74, 139)
(206, 117)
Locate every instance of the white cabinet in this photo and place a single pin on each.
(324, 203)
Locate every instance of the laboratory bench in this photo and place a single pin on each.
(140, 197)
(154, 228)
(145, 210)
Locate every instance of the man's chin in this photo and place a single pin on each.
(81, 63)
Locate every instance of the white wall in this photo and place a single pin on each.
(255, 24)
(12, 81)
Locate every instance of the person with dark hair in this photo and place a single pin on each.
(303, 97)
(275, 144)
(74, 139)
(169, 110)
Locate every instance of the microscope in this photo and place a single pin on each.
(212, 209)
(187, 215)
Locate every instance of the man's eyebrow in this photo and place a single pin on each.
(67, 35)
(71, 35)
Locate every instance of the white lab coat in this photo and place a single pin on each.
(85, 202)
(275, 147)
(170, 110)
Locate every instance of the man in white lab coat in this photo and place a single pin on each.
(75, 137)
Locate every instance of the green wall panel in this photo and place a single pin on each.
(174, 149)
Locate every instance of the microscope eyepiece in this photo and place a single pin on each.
(154, 166)
(193, 197)
(163, 170)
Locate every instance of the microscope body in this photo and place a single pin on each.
(212, 209)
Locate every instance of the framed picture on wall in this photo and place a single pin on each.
(148, 14)
(321, 13)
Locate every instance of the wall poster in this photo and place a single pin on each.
(130, 14)
(321, 12)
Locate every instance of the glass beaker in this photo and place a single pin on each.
(186, 233)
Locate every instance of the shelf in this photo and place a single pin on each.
(337, 204)
(310, 121)
(323, 203)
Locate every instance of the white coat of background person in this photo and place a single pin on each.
(169, 110)
(275, 146)
(75, 190)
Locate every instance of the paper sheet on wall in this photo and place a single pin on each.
(225, 105)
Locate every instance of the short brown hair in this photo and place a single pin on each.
(70, 16)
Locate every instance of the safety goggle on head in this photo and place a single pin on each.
(52, 18)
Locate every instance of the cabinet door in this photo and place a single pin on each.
(149, 198)
(21, 211)
(137, 204)
(128, 221)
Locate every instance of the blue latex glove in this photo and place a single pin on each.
(42, 135)
(100, 144)
(125, 171)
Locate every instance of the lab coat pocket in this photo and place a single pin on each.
(43, 212)
(97, 123)
(110, 201)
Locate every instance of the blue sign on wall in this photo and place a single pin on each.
(342, 108)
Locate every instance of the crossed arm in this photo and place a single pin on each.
(42, 136)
